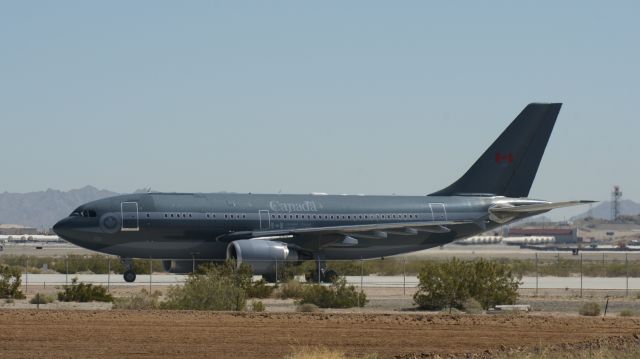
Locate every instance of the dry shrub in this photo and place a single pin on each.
(82, 292)
(40, 298)
(138, 301)
(627, 313)
(450, 283)
(307, 308)
(260, 289)
(307, 352)
(337, 295)
(211, 288)
(472, 306)
(590, 309)
(10, 280)
(258, 306)
(291, 289)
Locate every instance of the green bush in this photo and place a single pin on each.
(82, 292)
(291, 289)
(10, 280)
(217, 287)
(40, 298)
(449, 284)
(138, 301)
(260, 289)
(590, 309)
(258, 306)
(337, 295)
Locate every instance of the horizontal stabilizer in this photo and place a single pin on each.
(538, 207)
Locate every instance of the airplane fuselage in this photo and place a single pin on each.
(200, 226)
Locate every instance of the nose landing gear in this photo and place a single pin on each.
(129, 275)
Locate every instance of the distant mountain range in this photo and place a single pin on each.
(44, 208)
(602, 210)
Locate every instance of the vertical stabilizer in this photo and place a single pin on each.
(510, 164)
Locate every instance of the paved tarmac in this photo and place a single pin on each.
(614, 283)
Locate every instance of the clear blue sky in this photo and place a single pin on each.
(333, 96)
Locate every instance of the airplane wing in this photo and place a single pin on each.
(377, 230)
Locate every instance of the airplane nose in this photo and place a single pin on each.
(61, 228)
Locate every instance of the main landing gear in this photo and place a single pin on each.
(321, 273)
(129, 275)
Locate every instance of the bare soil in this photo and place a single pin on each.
(70, 333)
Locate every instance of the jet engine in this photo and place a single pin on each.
(178, 267)
(261, 255)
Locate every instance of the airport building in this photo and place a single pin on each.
(14, 229)
(561, 235)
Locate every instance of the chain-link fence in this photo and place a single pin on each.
(617, 272)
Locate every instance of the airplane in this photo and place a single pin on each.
(264, 229)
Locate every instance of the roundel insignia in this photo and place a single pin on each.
(109, 223)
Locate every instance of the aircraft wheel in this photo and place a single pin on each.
(129, 276)
(330, 276)
(271, 278)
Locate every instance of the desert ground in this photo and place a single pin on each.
(66, 333)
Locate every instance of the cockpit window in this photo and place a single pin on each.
(83, 213)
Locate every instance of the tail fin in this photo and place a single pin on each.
(509, 166)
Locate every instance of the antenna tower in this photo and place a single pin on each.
(615, 203)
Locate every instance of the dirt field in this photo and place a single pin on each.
(48, 333)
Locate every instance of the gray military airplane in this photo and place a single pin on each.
(262, 229)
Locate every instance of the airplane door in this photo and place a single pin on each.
(265, 220)
(438, 211)
(129, 212)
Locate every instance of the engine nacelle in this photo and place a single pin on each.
(261, 255)
(178, 267)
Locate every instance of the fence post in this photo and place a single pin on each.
(580, 274)
(66, 270)
(361, 274)
(604, 269)
(109, 274)
(626, 265)
(319, 277)
(26, 275)
(536, 274)
(276, 271)
(404, 276)
(150, 271)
